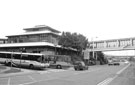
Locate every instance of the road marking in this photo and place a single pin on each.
(34, 82)
(50, 71)
(119, 72)
(43, 72)
(85, 72)
(108, 80)
(9, 81)
(31, 78)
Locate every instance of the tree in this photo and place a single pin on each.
(101, 58)
(132, 59)
(73, 40)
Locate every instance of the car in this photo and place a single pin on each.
(110, 63)
(124, 61)
(114, 63)
(80, 65)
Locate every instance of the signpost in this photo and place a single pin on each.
(86, 55)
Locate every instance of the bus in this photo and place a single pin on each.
(59, 61)
(18, 59)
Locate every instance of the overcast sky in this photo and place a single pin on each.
(105, 19)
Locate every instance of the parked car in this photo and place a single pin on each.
(80, 65)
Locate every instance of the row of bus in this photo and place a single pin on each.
(34, 60)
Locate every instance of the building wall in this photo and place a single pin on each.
(2, 41)
(34, 38)
(47, 50)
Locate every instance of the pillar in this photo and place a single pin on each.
(118, 43)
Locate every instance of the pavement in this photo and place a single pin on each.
(26, 76)
(6, 69)
(23, 71)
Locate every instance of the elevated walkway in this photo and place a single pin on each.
(112, 45)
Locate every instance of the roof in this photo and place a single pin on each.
(6, 52)
(28, 44)
(2, 39)
(42, 27)
(32, 33)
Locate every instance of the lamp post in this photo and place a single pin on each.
(21, 49)
(55, 49)
(11, 58)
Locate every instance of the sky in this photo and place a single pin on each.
(105, 19)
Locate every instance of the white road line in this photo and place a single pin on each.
(34, 82)
(108, 80)
(119, 72)
(103, 82)
(50, 71)
(57, 70)
(43, 72)
(31, 78)
(85, 72)
(8, 81)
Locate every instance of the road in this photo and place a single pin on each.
(96, 75)
(125, 78)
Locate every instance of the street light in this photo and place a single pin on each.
(22, 50)
(11, 59)
(55, 49)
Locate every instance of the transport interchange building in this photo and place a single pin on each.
(39, 39)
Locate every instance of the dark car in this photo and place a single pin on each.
(116, 63)
(80, 65)
(110, 63)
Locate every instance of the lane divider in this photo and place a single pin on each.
(119, 72)
(109, 80)
(8, 81)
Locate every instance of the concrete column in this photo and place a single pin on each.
(131, 42)
(105, 44)
(96, 56)
(118, 43)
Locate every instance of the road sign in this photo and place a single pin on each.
(86, 54)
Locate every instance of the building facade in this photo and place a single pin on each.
(2, 41)
(39, 39)
(36, 34)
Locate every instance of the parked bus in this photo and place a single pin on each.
(30, 60)
(59, 61)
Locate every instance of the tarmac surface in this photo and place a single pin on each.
(94, 76)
